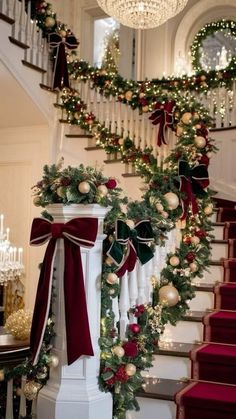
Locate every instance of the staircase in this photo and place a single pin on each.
(172, 369)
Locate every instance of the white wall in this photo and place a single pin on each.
(23, 152)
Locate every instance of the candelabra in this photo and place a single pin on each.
(11, 258)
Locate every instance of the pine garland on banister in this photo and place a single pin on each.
(176, 196)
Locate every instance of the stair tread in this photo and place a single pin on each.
(18, 43)
(7, 19)
(131, 175)
(218, 224)
(215, 263)
(163, 389)
(194, 315)
(33, 66)
(48, 88)
(109, 161)
(219, 241)
(91, 148)
(180, 349)
(79, 135)
(204, 286)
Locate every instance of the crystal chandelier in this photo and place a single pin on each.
(142, 14)
(11, 266)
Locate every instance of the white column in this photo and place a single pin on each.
(72, 391)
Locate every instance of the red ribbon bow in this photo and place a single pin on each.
(77, 232)
(163, 115)
(60, 74)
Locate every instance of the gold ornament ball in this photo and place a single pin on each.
(102, 189)
(84, 187)
(62, 33)
(128, 95)
(61, 191)
(130, 224)
(130, 369)
(196, 115)
(168, 295)
(37, 201)
(141, 95)
(121, 141)
(112, 278)
(174, 261)
(203, 77)
(109, 261)
(195, 240)
(145, 108)
(199, 142)
(49, 22)
(118, 351)
(2, 375)
(172, 200)
(186, 118)
(193, 267)
(31, 389)
(54, 361)
(159, 207)
(209, 154)
(208, 210)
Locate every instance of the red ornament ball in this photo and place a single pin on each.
(131, 349)
(134, 328)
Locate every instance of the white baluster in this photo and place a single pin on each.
(115, 309)
(142, 133)
(16, 17)
(3, 7)
(133, 287)
(33, 51)
(148, 133)
(141, 283)
(113, 115)
(124, 305)
(156, 262)
(148, 267)
(22, 22)
(39, 59)
(126, 111)
(88, 96)
(9, 8)
(118, 113)
(9, 403)
(22, 409)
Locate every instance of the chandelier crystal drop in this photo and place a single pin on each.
(142, 14)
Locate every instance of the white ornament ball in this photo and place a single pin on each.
(130, 369)
(208, 210)
(49, 22)
(174, 261)
(199, 142)
(195, 240)
(159, 207)
(112, 278)
(172, 200)
(193, 267)
(186, 118)
(102, 189)
(168, 295)
(84, 187)
(130, 224)
(118, 351)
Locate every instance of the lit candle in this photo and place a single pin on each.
(8, 231)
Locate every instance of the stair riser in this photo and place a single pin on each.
(184, 331)
(153, 409)
(172, 367)
(215, 274)
(202, 301)
(218, 232)
(219, 250)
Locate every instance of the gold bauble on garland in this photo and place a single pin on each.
(19, 324)
(174, 261)
(112, 278)
(208, 210)
(186, 118)
(61, 191)
(2, 375)
(49, 22)
(53, 361)
(31, 390)
(130, 369)
(193, 267)
(172, 200)
(128, 95)
(37, 201)
(118, 351)
(195, 240)
(168, 295)
(199, 141)
(84, 187)
(130, 224)
(102, 190)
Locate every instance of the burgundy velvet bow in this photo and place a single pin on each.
(163, 115)
(77, 232)
(60, 74)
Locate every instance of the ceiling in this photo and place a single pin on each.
(16, 105)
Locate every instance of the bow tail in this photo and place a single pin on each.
(189, 199)
(76, 315)
(43, 300)
(161, 132)
(60, 75)
(129, 261)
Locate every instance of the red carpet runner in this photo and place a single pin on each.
(211, 394)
